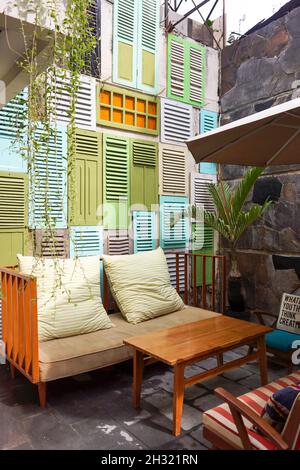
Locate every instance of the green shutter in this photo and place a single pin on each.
(147, 46)
(85, 179)
(203, 243)
(13, 216)
(116, 181)
(125, 42)
(186, 71)
(144, 175)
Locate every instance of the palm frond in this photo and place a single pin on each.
(241, 193)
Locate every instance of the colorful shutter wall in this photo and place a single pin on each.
(48, 188)
(147, 45)
(116, 242)
(144, 231)
(144, 174)
(86, 241)
(173, 236)
(176, 121)
(116, 181)
(135, 43)
(124, 109)
(173, 170)
(52, 243)
(85, 108)
(85, 178)
(208, 122)
(186, 71)
(12, 123)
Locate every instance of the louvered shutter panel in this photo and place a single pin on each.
(12, 126)
(116, 242)
(12, 242)
(48, 186)
(85, 108)
(176, 67)
(196, 68)
(144, 180)
(13, 193)
(148, 23)
(116, 181)
(144, 231)
(208, 122)
(173, 236)
(86, 241)
(125, 42)
(52, 243)
(176, 121)
(85, 178)
(173, 169)
(171, 260)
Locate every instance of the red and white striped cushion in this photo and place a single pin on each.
(220, 420)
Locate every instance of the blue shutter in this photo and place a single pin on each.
(86, 241)
(208, 122)
(144, 231)
(12, 121)
(48, 200)
(176, 236)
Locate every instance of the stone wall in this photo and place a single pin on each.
(260, 71)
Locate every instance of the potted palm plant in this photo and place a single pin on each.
(231, 219)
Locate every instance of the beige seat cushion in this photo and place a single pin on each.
(73, 355)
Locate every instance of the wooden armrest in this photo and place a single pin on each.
(260, 314)
(239, 409)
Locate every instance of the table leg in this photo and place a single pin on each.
(220, 359)
(263, 364)
(178, 398)
(138, 364)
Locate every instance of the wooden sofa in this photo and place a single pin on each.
(42, 362)
(230, 426)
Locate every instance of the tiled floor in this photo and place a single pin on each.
(94, 411)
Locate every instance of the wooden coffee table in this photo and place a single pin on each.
(186, 344)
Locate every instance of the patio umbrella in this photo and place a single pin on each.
(270, 137)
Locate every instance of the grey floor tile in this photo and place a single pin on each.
(183, 443)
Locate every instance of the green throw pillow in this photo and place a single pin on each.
(141, 285)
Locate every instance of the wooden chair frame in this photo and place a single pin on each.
(20, 313)
(238, 409)
(285, 357)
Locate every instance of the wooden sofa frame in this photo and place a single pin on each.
(239, 410)
(20, 315)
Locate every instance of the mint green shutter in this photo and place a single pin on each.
(85, 178)
(173, 235)
(144, 231)
(148, 27)
(125, 42)
(144, 175)
(116, 181)
(208, 122)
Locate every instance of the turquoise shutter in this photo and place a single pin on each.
(125, 42)
(208, 122)
(12, 122)
(48, 193)
(144, 231)
(148, 27)
(173, 236)
(116, 181)
(86, 241)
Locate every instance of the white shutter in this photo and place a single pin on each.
(85, 112)
(176, 121)
(86, 241)
(196, 74)
(116, 242)
(199, 190)
(171, 260)
(177, 68)
(173, 170)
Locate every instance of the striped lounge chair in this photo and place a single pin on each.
(230, 425)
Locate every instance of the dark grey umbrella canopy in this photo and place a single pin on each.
(270, 137)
